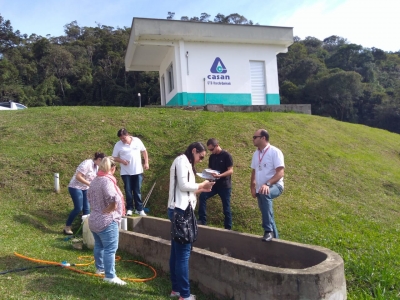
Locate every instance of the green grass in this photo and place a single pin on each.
(342, 191)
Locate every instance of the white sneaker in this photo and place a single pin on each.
(174, 294)
(140, 213)
(115, 280)
(99, 272)
(129, 213)
(191, 297)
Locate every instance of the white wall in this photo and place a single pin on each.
(169, 58)
(236, 60)
(235, 57)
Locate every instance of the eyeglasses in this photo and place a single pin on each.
(211, 150)
(256, 136)
(201, 157)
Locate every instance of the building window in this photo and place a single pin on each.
(170, 72)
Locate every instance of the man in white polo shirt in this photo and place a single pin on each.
(266, 183)
(127, 151)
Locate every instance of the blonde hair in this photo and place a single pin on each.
(106, 164)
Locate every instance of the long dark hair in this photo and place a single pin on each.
(199, 148)
(98, 155)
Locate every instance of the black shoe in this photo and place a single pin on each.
(201, 222)
(268, 235)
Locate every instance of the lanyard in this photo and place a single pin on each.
(260, 159)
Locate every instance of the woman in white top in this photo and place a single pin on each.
(78, 187)
(179, 198)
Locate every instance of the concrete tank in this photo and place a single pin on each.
(229, 264)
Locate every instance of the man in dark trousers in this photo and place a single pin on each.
(220, 160)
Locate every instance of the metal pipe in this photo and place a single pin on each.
(187, 61)
(56, 182)
(205, 92)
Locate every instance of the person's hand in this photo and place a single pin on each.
(202, 191)
(110, 208)
(146, 166)
(216, 176)
(206, 185)
(125, 162)
(264, 189)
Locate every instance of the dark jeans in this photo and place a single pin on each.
(225, 194)
(179, 264)
(133, 186)
(81, 203)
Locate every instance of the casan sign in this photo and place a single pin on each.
(218, 68)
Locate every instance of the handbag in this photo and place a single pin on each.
(184, 224)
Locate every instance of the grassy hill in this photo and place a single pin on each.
(342, 190)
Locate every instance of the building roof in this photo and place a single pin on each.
(151, 39)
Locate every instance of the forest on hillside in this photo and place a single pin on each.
(85, 66)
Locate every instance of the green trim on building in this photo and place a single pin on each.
(273, 99)
(198, 99)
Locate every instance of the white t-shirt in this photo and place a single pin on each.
(89, 170)
(131, 153)
(265, 163)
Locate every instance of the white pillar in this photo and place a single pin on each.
(56, 182)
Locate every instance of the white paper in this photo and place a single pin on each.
(207, 174)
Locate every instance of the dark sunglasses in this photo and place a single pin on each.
(256, 136)
(201, 157)
(211, 150)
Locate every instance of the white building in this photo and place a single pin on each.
(209, 63)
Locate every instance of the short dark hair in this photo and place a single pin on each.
(212, 142)
(265, 134)
(122, 131)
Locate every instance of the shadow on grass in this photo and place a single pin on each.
(11, 262)
(33, 222)
(79, 288)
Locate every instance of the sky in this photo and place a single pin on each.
(366, 23)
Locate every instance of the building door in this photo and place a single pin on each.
(257, 76)
(163, 96)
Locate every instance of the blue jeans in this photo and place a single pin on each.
(179, 264)
(265, 204)
(105, 247)
(133, 186)
(80, 203)
(225, 194)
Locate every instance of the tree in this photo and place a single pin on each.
(204, 17)
(333, 42)
(59, 62)
(8, 39)
(10, 88)
(312, 44)
(335, 94)
(72, 30)
(387, 115)
(170, 15)
(219, 18)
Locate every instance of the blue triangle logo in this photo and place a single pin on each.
(218, 66)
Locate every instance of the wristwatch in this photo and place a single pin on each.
(268, 183)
